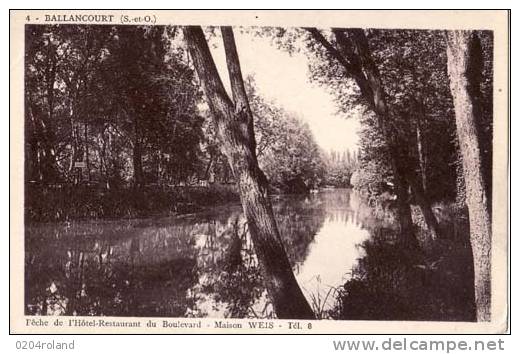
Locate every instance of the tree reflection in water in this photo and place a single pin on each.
(197, 266)
(204, 265)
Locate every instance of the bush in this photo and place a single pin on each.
(395, 283)
(67, 202)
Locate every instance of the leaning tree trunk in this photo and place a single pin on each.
(404, 212)
(425, 205)
(459, 66)
(373, 91)
(234, 123)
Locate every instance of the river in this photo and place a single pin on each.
(197, 265)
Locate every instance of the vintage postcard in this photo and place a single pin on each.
(294, 172)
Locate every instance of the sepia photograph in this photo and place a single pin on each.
(226, 172)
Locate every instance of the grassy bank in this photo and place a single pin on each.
(45, 204)
(432, 283)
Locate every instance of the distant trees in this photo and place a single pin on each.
(340, 167)
(287, 152)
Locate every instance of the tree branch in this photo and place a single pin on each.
(233, 65)
(347, 58)
(329, 47)
(237, 83)
(346, 46)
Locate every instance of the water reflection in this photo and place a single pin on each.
(197, 265)
(332, 253)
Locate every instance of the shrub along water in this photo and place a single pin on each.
(395, 283)
(67, 202)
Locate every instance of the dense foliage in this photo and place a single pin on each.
(109, 104)
(286, 149)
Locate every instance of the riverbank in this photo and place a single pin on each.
(61, 203)
(434, 282)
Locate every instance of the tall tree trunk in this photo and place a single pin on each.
(459, 69)
(45, 166)
(49, 167)
(425, 205)
(208, 166)
(421, 156)
(87, 152)
(460, 198)
(32, 163)
(137, 156)
(159, 168)
(74, 146)
(234, 123)
(103, 164)
(404, 214)
(418, 179)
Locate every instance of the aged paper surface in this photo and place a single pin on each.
(26, 310)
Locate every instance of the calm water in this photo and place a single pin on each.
(195, 265)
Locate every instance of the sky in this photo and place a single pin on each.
(285, 79)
